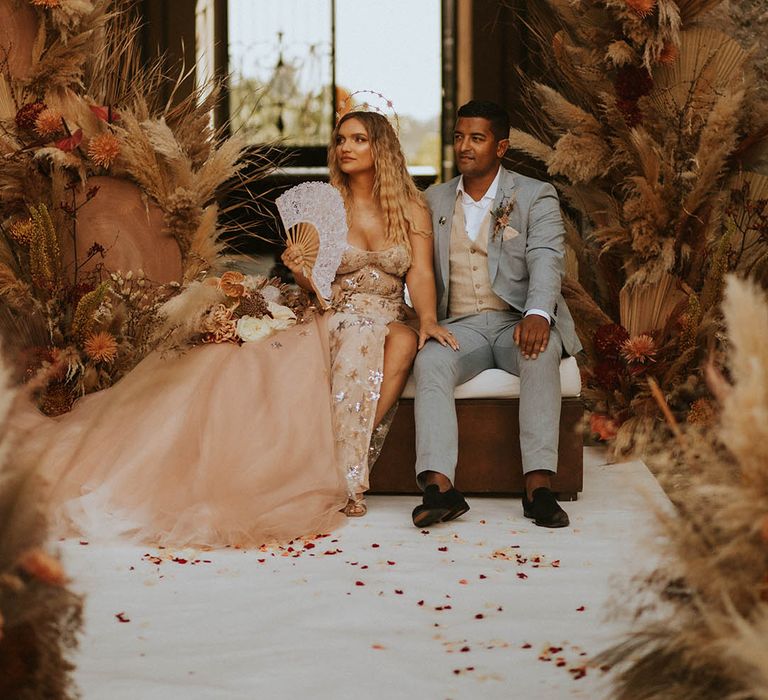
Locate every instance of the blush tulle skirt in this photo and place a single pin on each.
(224, 445)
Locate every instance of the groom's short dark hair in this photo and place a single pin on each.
(494, 113)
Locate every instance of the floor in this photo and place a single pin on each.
(488, 606)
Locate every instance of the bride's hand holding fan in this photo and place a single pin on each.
(315, 224)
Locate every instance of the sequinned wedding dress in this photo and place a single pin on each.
(230, 444)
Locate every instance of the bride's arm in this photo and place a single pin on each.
(420, 279)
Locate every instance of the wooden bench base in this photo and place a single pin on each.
(489, 450)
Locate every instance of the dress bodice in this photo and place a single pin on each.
(371, 281)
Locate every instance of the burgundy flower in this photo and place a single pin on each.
(609, 339)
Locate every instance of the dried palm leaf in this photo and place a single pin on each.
(691, 9)
(708, 62)
(647, 308)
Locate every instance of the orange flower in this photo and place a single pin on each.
(640, 349)
(101, 347)
(602, 426)
(48, 123)
(669, 53)
(641, 7)
(231, 283)
(104, 149)
(42, 566)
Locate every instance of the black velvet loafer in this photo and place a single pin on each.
(544, 509)
(439, 507)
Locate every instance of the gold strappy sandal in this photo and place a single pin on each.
(356, 507)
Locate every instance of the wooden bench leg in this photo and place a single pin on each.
(567, 496)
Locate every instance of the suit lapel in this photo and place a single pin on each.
(503, 195)
(443, 230)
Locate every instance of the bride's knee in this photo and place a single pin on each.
(399, 351)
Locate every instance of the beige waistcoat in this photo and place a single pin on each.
(469, 282)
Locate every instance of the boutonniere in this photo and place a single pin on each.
(501, 215)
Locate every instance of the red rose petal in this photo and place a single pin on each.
(359, 583)
(526, 646)
(122, 618)
(520, 574)
(398, 591)
(391, 563)
(581, 608)
(421, 602)
(309, 545)
(482, 576)
(374, 545)
(464, 649)
(479, 616)
(442, 549)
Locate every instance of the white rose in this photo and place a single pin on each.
(282, 316)
(250, 329)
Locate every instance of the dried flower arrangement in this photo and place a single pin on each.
(88, 154)
(232, 308)
(700, 629)
(39, 616)
(648, 128)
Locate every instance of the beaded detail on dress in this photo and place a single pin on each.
(367, 295)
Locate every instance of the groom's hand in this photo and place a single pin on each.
(532, 336)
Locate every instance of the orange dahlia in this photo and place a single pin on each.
(639, 350)
(641, 7)
(48, 123)
(104, 149)
(42, 566)
(101, 347)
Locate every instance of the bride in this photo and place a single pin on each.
(268, 440)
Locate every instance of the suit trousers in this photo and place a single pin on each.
(486, 341)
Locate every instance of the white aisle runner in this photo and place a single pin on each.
(488, 606)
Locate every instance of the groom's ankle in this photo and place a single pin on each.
(433, 478)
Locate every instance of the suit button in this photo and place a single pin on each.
(474, 267)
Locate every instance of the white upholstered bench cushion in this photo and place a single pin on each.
(498, 384)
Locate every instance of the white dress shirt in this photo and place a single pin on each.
(474, 213)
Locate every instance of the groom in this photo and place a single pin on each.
(498, 251)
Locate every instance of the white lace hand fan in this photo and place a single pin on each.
(315, 221)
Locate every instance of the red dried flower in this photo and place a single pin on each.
(608, 340)
(643, 8)
(106, 114)
(70, 143)
(632, 82)
(608, 373)
(28, 114)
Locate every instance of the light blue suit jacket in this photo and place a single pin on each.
(526, 270)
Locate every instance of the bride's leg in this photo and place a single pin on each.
(399, 353)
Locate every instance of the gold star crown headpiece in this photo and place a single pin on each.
(370, 101)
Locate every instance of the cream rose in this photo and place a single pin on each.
(251, 329)
(282, 316)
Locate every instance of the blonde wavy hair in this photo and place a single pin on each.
(393, 187)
